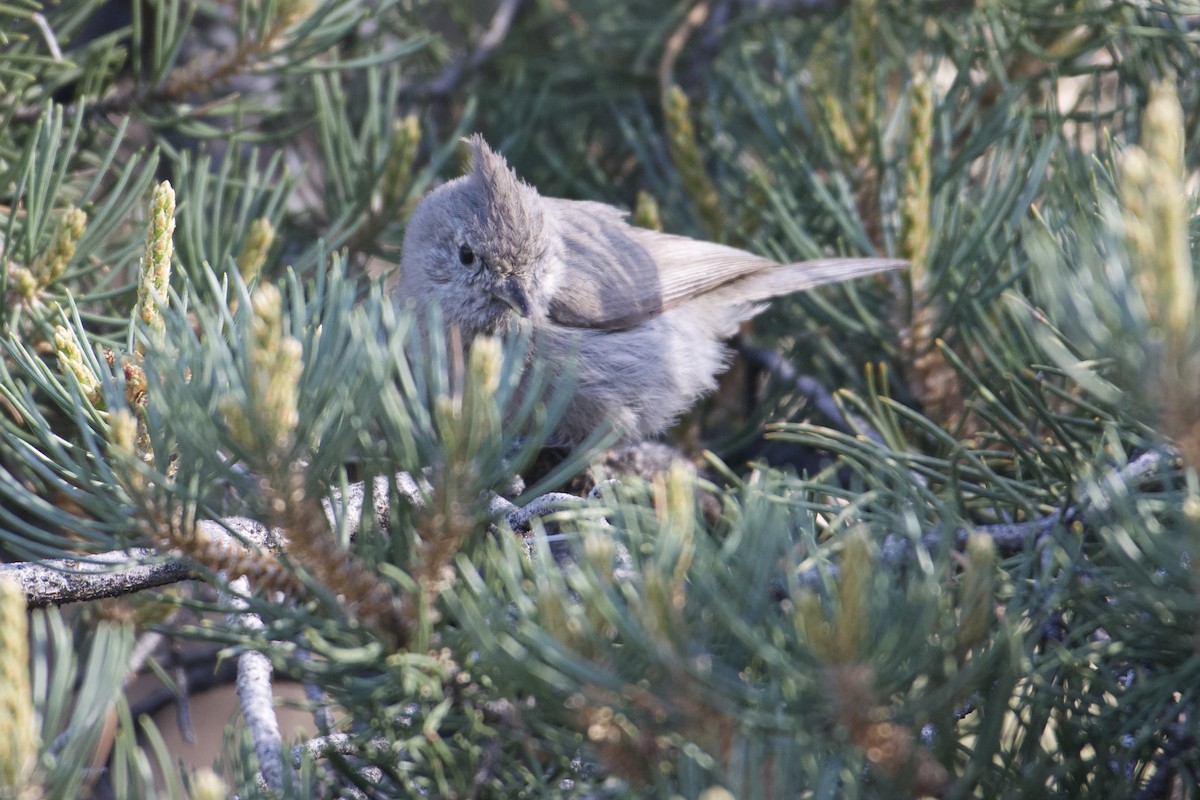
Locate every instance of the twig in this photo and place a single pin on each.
(519, 518)
(350, 507)
(343, 744)
(143, 650)
(1013, 536)
(318, 699)
(207, 674)
(183, 695)
(1009, 537)
(676, 41)
(122, 572)
(335, 743)
(470, 61)
(774, 365)
(145, 646)
(208, 71)
(255, 697)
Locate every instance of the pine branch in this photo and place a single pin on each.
(1016, 536)
(124, 572)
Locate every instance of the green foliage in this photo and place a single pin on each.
(976, 578)
(77, 700)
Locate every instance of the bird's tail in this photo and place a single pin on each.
(802, 275)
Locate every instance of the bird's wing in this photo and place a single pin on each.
(618, 276)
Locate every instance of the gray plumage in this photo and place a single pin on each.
(639, 314)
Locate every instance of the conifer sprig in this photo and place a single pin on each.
(976, 554)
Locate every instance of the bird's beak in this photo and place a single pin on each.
(510, 292)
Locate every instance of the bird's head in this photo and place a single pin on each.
(479, 244)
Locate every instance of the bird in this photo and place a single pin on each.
(634, 319)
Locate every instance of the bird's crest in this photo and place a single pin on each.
(511, 207)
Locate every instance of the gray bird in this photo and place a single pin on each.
(635, 317)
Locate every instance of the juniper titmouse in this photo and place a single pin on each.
(639, 315)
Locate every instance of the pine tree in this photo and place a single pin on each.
(959, 564)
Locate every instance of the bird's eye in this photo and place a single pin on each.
(466, 255)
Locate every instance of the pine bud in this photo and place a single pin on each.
(689, 161)
(977, 593)
(812, 624)
(22, 283)
(844, 140)
(289, 12)
(70, 359)
(676, 542)
(1162, 127)
(931, 378)
(255, 248)
(600, 552)
(136, 384)
(853, 590)
(678, 515)
(477, 404)
(864, 34)
(156, 265)
(645, 213)
(397, 173)
(1155, 211)
(207, 785)
(53, 262)
(18, 737)
(486, 364)
(273, 381)
(123, 431)
(915, 199)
